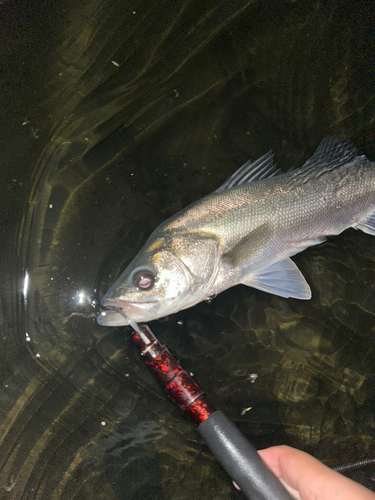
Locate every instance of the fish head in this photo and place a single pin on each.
(171, 272)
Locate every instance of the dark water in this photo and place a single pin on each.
(115, 116)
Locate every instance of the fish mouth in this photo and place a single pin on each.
(118, 313)
(130, 309)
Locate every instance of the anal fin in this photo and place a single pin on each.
(367, 225)
(282, 278)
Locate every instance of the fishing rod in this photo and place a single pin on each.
(230, 447)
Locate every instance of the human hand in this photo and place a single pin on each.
(308, 479)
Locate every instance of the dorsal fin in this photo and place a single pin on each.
(263, 168)
(331, 153)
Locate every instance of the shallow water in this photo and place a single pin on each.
(116, 117)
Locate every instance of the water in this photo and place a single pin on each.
(123, 115)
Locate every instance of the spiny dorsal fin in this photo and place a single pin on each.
(263, 168)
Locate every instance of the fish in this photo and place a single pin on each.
(245, 233)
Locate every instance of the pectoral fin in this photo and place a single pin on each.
(250, 248)
(282, 278)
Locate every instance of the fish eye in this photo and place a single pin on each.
(143, 279)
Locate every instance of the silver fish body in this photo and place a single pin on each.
(245, 232)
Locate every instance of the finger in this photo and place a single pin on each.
(312, 479)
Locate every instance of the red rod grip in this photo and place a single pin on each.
(180, 386)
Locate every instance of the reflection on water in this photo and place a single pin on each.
(145, 109)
